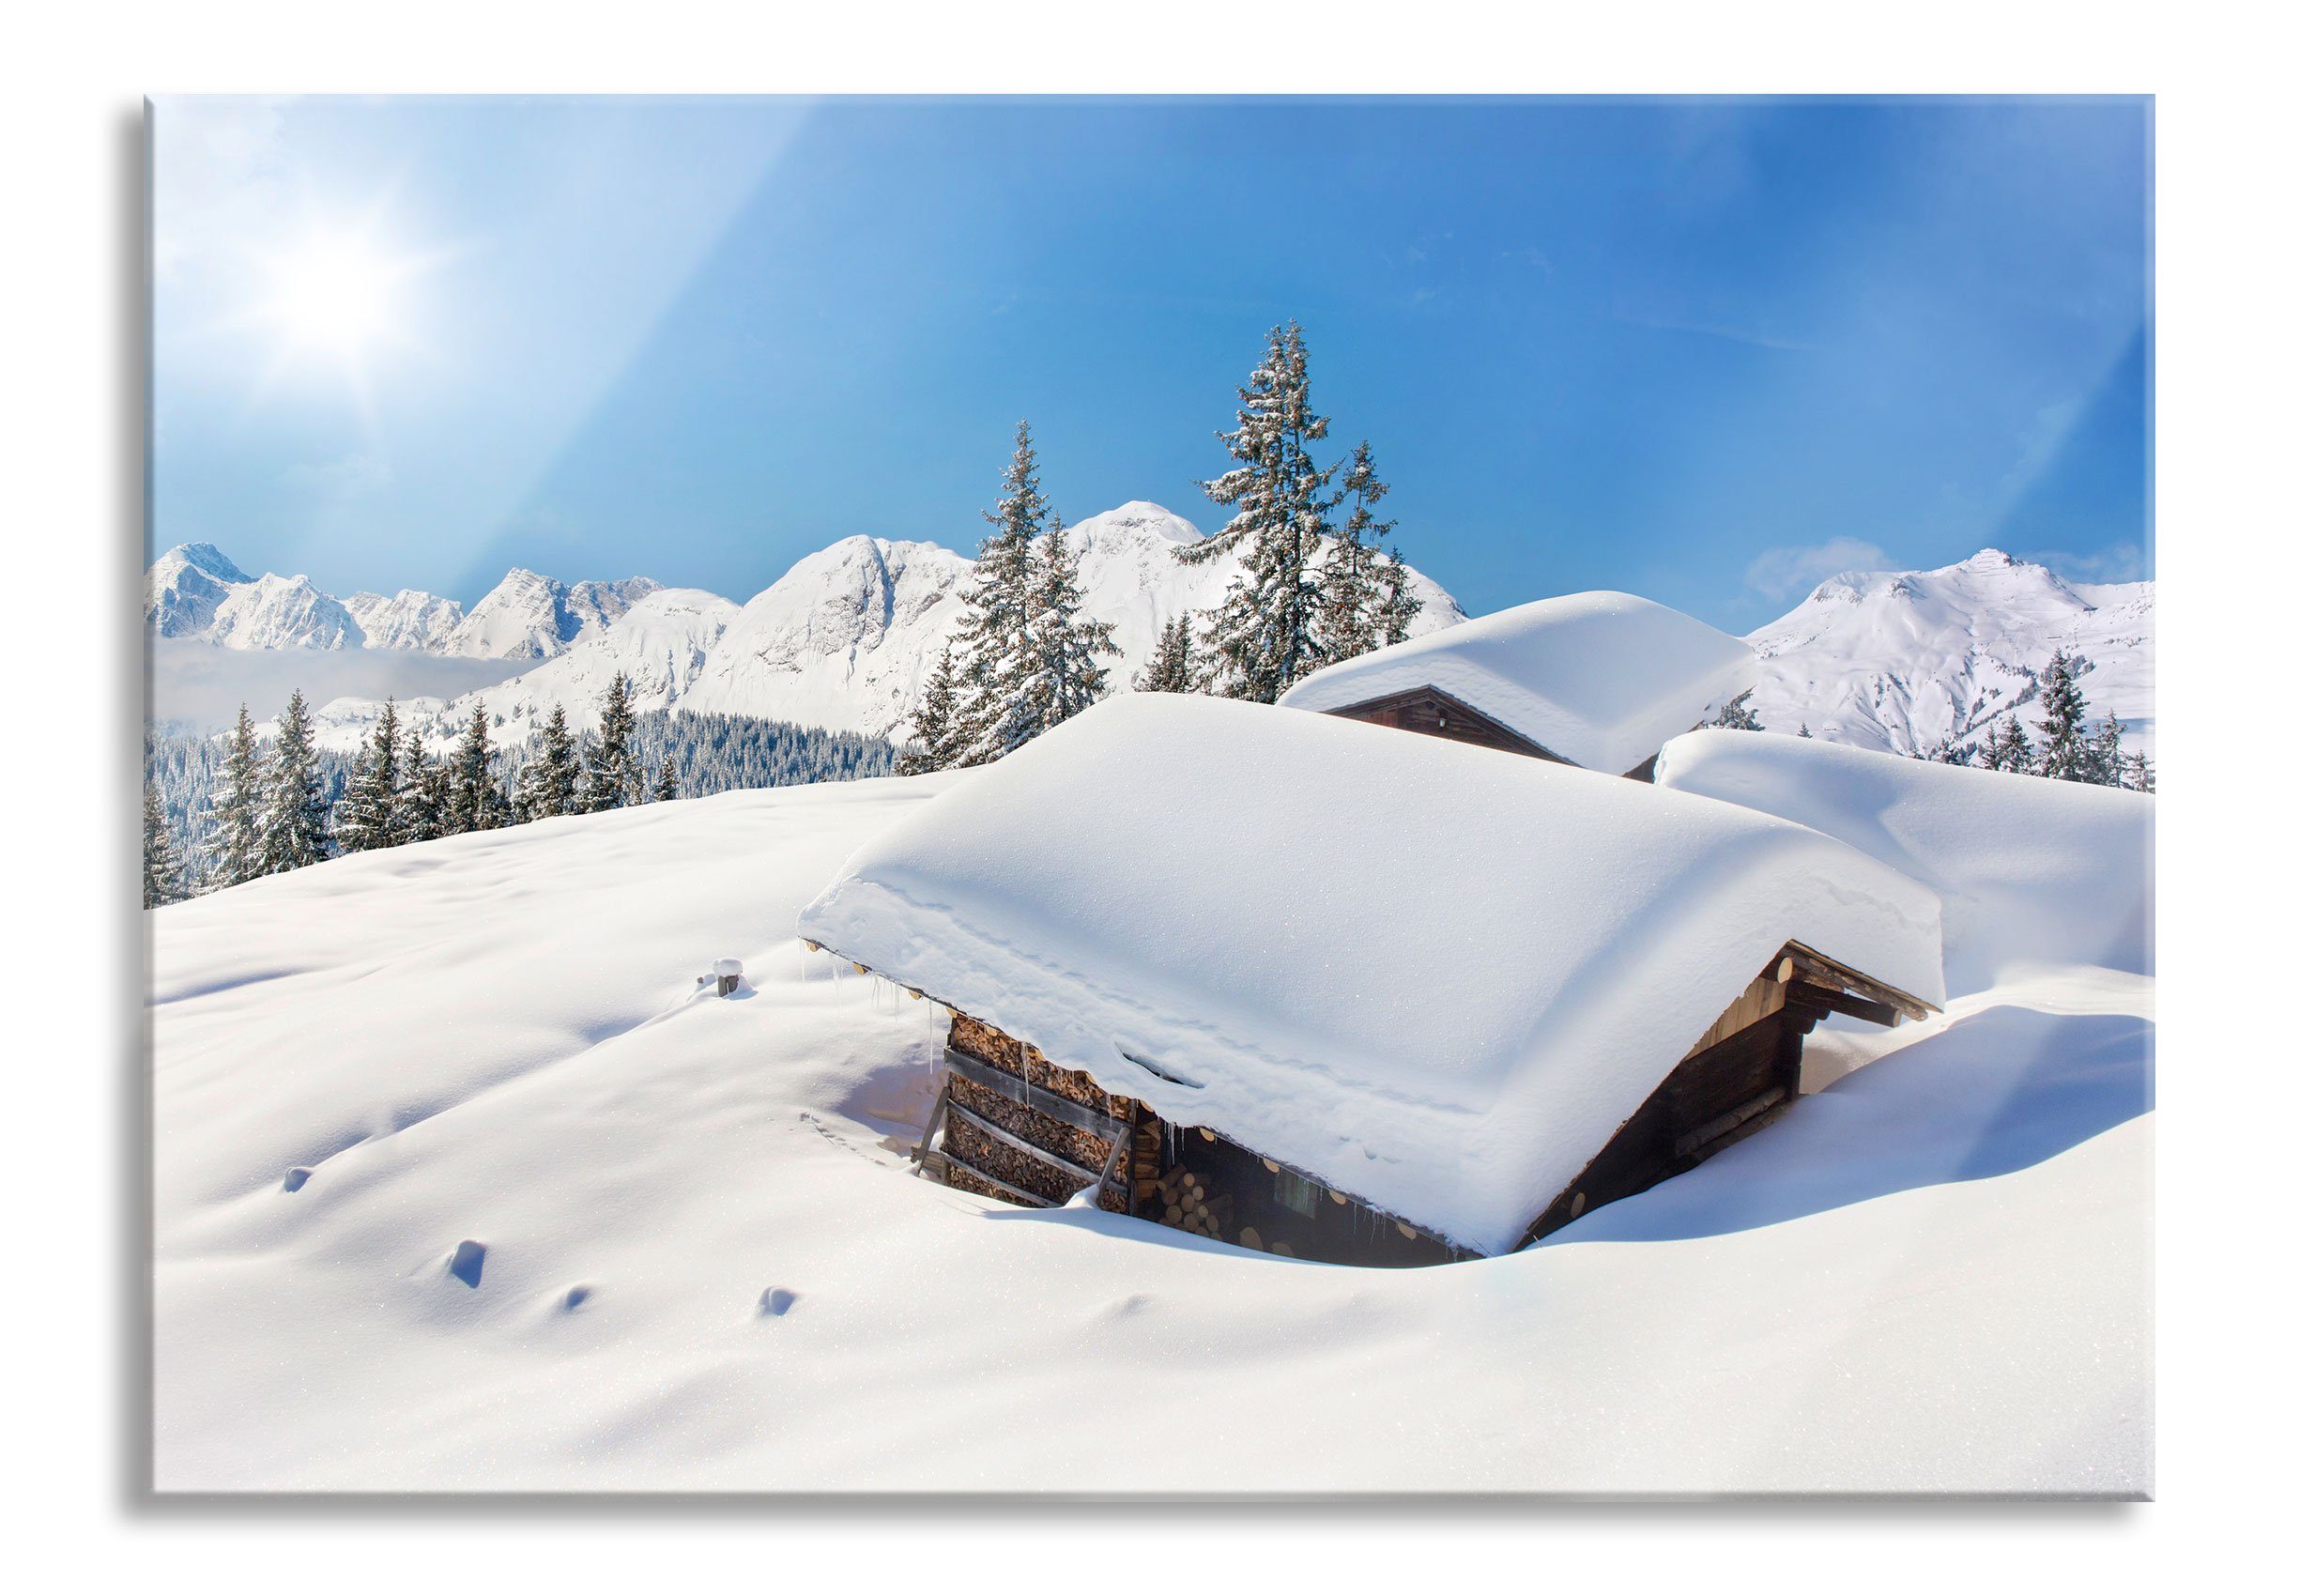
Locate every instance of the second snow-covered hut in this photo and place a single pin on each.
(1304, 984)
(1600, 680)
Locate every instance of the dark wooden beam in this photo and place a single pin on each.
(1007, 1138)
(966, 1066)
(942, 1162)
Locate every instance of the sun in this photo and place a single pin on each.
(335, 294)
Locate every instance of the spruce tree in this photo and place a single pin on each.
(551, 781)
(614, 777)
(997, 713)
(365, 818)
(1364, 592)
(235, 814)
(1804, 730)
(2006, 748)
(935, 724)
(2063, 754)
(2140, 773)
(473, 803)
(667, 781)
(164, 866)
(1394, 611)
(1176, 667)
(1062, 676)
(2106, 751)
(1265, 633)
(419, 813)
(1736, 715)
(294, 826)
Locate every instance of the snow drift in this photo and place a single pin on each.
(1602, 679)
(2029, 871)
(697, 1263)
(1445, 1019)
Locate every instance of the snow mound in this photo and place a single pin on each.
(1446, 1018)
(1602, 679)
(2029, 871)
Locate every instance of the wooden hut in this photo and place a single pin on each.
(1549, 992)
(1600, 680)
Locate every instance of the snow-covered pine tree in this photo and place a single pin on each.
(551, 781)
(1804, 730)
(236, 816)
(164, 866)
(1176, 666)
(1736, 715)
(614, 777)
(473, 803)
(1353, 588)
(2006, 748)
(294, 827)
(1394, 611)
(1264, 633)
(2106, 746)
(1062, 676)
(996, 713)
(935, 723)
(2063, 754)
(364, 820)
(419, 813)
(2139, 772)
(667, 782)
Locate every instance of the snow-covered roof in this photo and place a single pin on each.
(1600, 679)
(1432, 976)
(2029, 871)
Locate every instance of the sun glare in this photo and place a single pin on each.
(333, 301)
(334, 293)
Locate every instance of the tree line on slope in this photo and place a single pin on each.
(219, 812)
(1026, 658)
(2064, 749)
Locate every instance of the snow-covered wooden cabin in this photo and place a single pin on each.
(1310, 987)
(1600, 680)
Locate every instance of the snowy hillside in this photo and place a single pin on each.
(846, 638)
(661, 643)
(1904, 660)
(448, 1199)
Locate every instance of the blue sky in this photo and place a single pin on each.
(1709, 351)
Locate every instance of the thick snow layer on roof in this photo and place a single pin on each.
(1434, 977)
(2029, 870)
(1603, 678)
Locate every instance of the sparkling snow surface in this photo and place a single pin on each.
(1603, 678)
(1439, 989)
(571, 1222)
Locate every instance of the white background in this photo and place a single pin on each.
(69, 443)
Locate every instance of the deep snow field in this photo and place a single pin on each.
(569, 1222)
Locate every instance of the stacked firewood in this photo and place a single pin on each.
(1189, 1206)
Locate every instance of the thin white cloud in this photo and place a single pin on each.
(1794, 572)
(2118, 562)
(349, 476)
(1757, 336)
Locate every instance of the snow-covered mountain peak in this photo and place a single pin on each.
(204, 556)
(1138, 518)
(1906, 660)
(529, 615)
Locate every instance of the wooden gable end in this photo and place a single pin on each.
(1436, 714)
